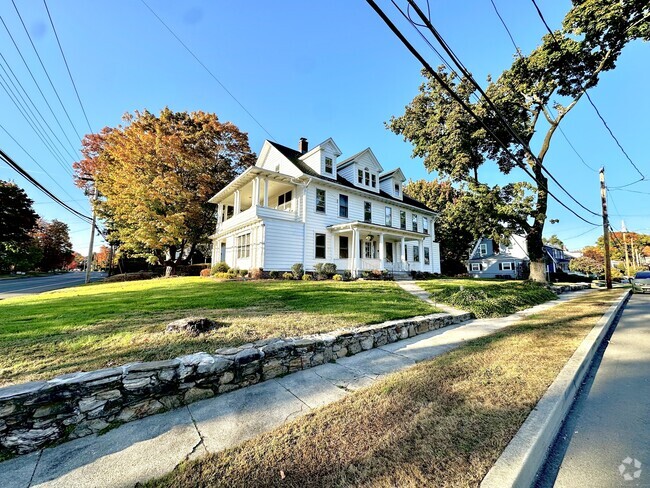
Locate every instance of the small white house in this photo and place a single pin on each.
(309, 206)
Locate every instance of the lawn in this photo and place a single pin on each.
(487, 298)
(102, 325)
(443, 422)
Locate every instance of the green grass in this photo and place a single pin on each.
(487, 298)
(442, 423)
(102, 325)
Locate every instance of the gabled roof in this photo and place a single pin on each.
(366, 152)
(327, 142)
(294, 156)
(396, 173)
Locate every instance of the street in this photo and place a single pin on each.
(30, 286)
(605, 440)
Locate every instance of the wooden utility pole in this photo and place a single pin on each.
(603, 199)
(89, 259)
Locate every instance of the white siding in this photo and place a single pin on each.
(283, 246)
(273, 159)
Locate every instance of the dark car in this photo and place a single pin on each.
(641, 282)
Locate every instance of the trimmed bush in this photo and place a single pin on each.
(298, 270)
(347, 275)
(243, 272)
(287, 276)
(220, 268)
(306, 277)
(205, 272)
(223, 276)
(274, 275)
(256, 273)
(337, 277)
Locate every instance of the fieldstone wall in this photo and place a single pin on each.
(37, 414)
(559, 289)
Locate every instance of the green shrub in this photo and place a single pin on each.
(243, 272)
(220, 268)
(287, 276)
(337, 277)
(274, 275)
(306, 277)
(347, 275)
(329, 269)
(223, 276)
(298, 270)
(233, 272)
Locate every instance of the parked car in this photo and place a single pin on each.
(641, 282)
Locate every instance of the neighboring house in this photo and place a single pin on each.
(557, 259)
(309, 207)
(487, 259)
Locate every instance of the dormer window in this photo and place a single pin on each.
(360, 176)
(366, 175)
(373, 180)
(396, 189)
(328, 166)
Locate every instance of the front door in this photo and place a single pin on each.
(223, 252)
(389, 252)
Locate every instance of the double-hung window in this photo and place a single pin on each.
(416, 254)
(319, 252)
(367, 177)
(507, 266)
(328, 166)
(344, 246)
(373, 180)
(475, 266)
(483, 249)
(415, 223)
(426, 256)
(389, 217)
(244, 246)
(284, 200)
(367, 212)
(360, 176)
(402, 220)
(396, 189)
(343, 206)
(320, 200)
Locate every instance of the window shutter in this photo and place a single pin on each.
(500, 266)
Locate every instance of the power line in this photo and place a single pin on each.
(67, 67)
(505, 26)
(584, 91)
(499, 114)
(15, 166)
(583, 233)
(36, 83)
(47, 74)
(455, 96)
(206, 68)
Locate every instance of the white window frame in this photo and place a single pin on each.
(388, 216)
(346, 207)
(244, 246)
(427, 256)
(316, 234)
(324, 210)
(475, 266)
(286, 204)
(329, 163)
(482, 249)
(511, 266)
(416, 253)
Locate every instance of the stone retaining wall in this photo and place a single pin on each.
(37, 414)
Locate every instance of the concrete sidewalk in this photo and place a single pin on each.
(153, 446)
(416, 290)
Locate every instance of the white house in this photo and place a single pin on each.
(309, 206)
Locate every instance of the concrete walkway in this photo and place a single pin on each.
(414, 289)
(605, 436)
(153, 446)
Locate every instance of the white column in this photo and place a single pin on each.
(237, 202)
(382, 251)
(266, 192)
(421, 243)
(219, 214)
(356, 251)
(256, 192)
(402, 253)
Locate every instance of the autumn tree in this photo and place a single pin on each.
(467, 212)
(17, 221)
(103, 257)
(451, 142)
(53, 240)
(154, 176)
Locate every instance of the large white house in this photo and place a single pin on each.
(309, 207)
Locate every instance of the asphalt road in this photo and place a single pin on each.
(31, 286)
(605, 440)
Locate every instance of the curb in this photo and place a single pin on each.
(526, 453)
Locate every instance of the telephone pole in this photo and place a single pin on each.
(89, 259)
(603, 199)
(627, 259)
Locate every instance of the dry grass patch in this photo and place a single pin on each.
(102, 325)
(442, 422)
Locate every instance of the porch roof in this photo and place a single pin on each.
(379, 229)
(245, 178)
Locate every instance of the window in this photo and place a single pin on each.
(505, 266)
(369, 250)
(284, 200)
(343, 247)
(402, 219)
(343, 206)
(416, 254)
(425, 225)
(244, 246)
(230, 210)
(328, 165)
(389, 216)
(415, 223)
(483, 249)
(320, 200)
(373, 181)
(366, 174)
(360, 176)
(320, 246)
(475, 266)
(367, 212)
(426, 256)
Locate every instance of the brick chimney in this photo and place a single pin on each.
(303, 145)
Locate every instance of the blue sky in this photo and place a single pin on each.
(312, 69)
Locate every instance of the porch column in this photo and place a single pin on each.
(356, 253)
(256, 192)
(219, 214)
(237, 202)
(421, 244)
(266, 192)
(382, 251)
(402, 253)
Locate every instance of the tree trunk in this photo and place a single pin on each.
(538, 271)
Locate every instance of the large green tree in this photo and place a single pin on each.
(53, 240)
(592, 36)
(154, 176)
(469, 211)
(17, 221)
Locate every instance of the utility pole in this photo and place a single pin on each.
(627, 259)
(89, 259)
(603, 199)
(635, 262)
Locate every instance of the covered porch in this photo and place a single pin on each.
(362, 246)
